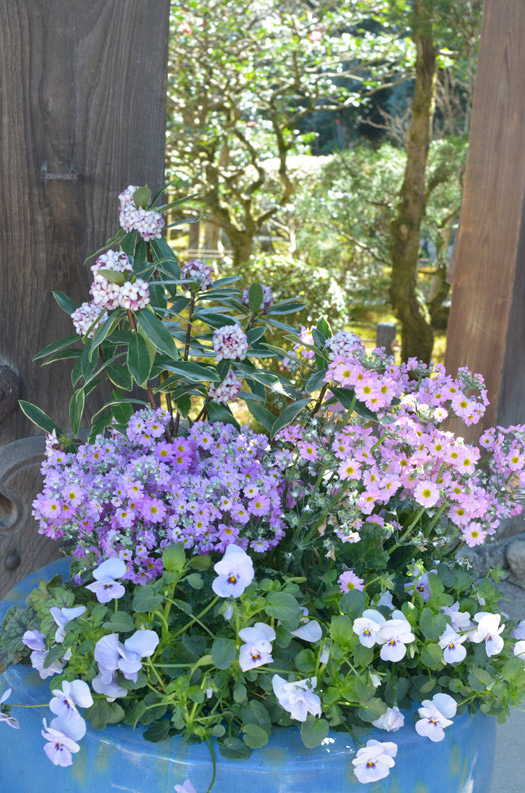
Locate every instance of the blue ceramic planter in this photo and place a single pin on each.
(118, 759)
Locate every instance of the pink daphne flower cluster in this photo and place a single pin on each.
(196, 271)
(147, 222)
(226, 391)
(129, 497)
(87, 318)
(230, 343)
(132, 294)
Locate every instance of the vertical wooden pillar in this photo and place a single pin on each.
(82, 114)
(487, 320)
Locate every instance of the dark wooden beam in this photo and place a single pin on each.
(487, 319)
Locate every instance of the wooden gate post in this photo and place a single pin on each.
(82, 108)
(487, 320)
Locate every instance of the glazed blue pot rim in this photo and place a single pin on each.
(28, 688)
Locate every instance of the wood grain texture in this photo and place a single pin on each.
(82, 115)
(487, 320)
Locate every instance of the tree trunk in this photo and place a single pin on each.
(416, 332)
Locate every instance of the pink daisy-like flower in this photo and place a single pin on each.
(426, 493)
(348, 581)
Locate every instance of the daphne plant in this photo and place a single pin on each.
(226, 582)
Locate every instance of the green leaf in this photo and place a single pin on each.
(65, 302)
(157, 332)
(316, 381)
(174, 558)
(76, 409)
(139, 361)
(142, 197)
(432, 625)
(341, 630)
(145, 599)
(353, 603)
(255, 334)
(56, 346)
(113, 276)
(195, 372)
(120, 622)
(239, 693)
(314, 731)
(38, 417)
(254, 712)
(432, 656)
(63, 355)
(233, 748)
(53, 655)
(157, 732)
(255, 297)
(99, 714)
(288, 415)
(262, 415)
(218, 412)
(200, 562)
(254, 736)
(120, 376)
(195, 581)
(223, 652)
(283, 606)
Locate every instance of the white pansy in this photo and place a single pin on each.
(374, 761)
(459, 620)
(452, 645)
(257, 649)
(367, 627)
(394, 635)
(488, 630)
(235, 573)
(297, 698)
(62, 617)
(392, 720)
(436, 714)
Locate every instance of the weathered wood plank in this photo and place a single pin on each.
(487, 320)
(82, 115)
(82, 108)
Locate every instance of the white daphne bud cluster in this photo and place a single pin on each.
(226, 391)
(147, 222)
(196, 270)
(132, 295)
(88, 317)
(230, 342)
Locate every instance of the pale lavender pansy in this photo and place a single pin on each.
(111, 654)
(105, 586)
(488, 631)
(64, 705)
(106, 683)
(374, 761)
(36, 641)
(60, 746)
(6, 717)
(519, 631)
(436, 714)
(62, 617)
(394, 635)
(519, 649)
(235, 573)
(311, 631)
(367, 627)
(257, 649)
(297, 697)
(392, 720)
(459, 620)
(452, 645)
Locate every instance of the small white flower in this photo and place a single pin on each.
(367, 627)
(436, 714)
(235, 573)
(452, 645)
(519, 650)
(394, 635)
(187, 787)
(4, 717)
(297, 698)
(459, 620)
(258, 649)
(488, 630)
(374, 761)
(519, 630)
(392, 720)
(311, 631)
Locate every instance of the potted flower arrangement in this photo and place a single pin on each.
(284, 574)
